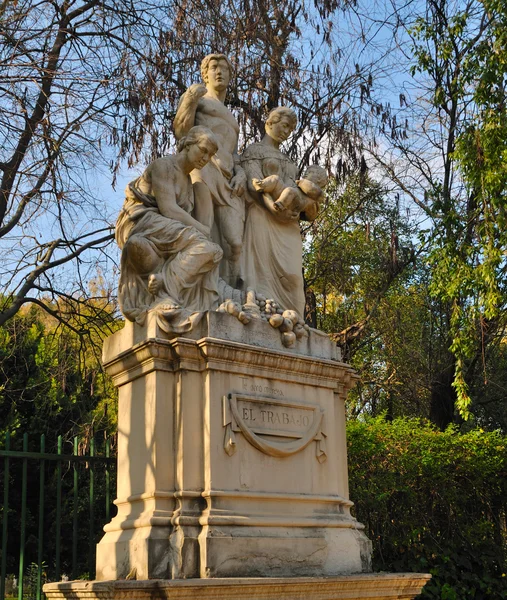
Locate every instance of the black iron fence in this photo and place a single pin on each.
(54, 507)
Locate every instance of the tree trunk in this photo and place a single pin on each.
(443, 397)
(310, 308)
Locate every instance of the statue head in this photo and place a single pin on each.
(280, 123)
(216, 71)
(317, 174)
(200, 143)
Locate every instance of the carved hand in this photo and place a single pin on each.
(238, 183)
(257, 185)
(282, 214)
(196, 91)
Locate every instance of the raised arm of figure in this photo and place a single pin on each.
(165, 180)
(238, 182)
(185, 114)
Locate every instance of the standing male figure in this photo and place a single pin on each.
(221, 182)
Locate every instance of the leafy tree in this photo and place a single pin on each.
(456, 52)
(359, 272)
(355, 252)
(477, 259)
(372, 291)
(53, 382)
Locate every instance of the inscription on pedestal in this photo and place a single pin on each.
(267, 418)
(259, 388)
(263, 420)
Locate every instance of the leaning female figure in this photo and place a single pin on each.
(168, 262)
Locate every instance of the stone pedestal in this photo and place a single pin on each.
(231, 456)
(402, 586)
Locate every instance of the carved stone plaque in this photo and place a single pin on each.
(263, 421)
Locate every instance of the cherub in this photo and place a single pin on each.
(309, 188)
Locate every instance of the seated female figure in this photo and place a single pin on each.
(168, 261)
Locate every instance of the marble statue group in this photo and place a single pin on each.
(209, 229)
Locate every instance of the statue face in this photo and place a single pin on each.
(218, 75)
(200, 154)
(280, 130)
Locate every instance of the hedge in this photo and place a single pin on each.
(433, 502)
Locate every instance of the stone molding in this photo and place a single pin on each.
(156, 354)
(300, 502)
(380, 586)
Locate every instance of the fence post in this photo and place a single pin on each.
(75, 515)
(58, 509)
(108, 499)
(23, 520)
(91, 562)
(41, 517)
(3, 572)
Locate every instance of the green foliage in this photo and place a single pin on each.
(52, 381)
(433, 502)
(353, 253)
(372, 295)
(462, 49)
(32, 579)
(399, 354)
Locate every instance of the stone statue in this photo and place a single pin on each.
(168, 261)
(222, 178)
(231, 438)
(272, 247)
(300, 198)
(186, 213)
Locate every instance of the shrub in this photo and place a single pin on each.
(433, 502)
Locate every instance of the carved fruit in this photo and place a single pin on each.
(244, 317)
(276, 320)
(232, 308)
(288, 339)
(292, 315)
(287, 325)
(300, 331)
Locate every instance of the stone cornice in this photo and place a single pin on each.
(156, 354)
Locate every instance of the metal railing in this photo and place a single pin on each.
(54, 505)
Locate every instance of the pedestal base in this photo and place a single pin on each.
(401, 586)
(231, 456)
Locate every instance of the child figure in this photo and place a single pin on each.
(298, 199)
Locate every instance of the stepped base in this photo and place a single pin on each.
(400, 586)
